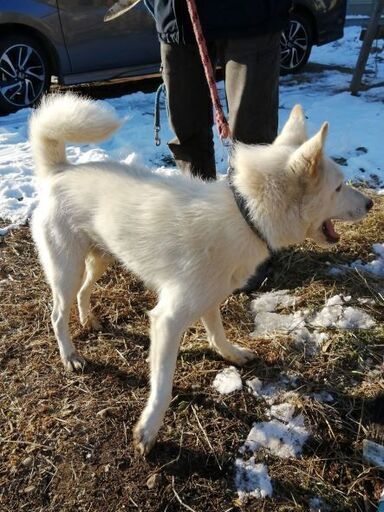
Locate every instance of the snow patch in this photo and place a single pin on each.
(374, 267)
(255, 386)
(283, 436)
(282, 439)
(337, 300)
(269, 323)
(304, 326)
(271, 392)
(5, 231)
(228, 381)
(270, 301)
(275, 391)
(342, 318)
(310, 342)
(283, 412)
(251, 479)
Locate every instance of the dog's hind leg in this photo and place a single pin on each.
(169, 319)
(218, 341)
(95, 265)
(63, 260)
(65, 284)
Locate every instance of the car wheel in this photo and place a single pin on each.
(24, 72)
(296, 44)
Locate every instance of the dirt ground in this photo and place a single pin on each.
(65, 439)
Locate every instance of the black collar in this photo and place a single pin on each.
(244, 210)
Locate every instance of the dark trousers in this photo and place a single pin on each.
(251, 67)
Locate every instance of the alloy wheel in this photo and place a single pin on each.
(294, 46)
(22, 75)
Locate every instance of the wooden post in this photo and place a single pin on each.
(366, 47)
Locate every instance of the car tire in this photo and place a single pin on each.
(24, 72)
(296, 44)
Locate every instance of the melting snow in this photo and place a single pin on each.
(285, 434)
(338, 300)
(374, 267)
(271, 392)
(342, 318)
(281, 439)
(266, 322)
(228, 381)
(270, 301)
(283, 412)
(252, 479)
(255, 386)
(309, 341)
(302, 325)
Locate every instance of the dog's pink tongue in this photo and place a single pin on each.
(331, 230)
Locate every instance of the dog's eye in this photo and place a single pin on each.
(339, 188)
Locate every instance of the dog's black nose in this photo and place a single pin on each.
(369, 205)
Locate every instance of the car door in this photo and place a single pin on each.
(92, 44)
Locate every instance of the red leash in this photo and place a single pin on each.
(221, 121)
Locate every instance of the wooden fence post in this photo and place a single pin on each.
(366, 47)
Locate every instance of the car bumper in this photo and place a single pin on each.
(331, 23)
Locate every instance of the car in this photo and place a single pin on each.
(69, 40)
(310, 23)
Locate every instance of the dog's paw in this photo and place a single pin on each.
(239, 355)
(91, 323)
(74, 362)
(143, 439)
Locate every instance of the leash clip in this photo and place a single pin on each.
(157, 136)
(156, 123)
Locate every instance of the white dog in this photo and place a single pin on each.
(187, 239)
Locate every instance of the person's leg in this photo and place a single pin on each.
(252, 85)
(190, 110)
(252, 67)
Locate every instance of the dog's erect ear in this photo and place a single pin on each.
(294, 132)
(306, 159)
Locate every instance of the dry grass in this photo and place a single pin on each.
(65, 440)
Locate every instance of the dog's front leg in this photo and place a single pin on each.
(167, 326)
(218, 341)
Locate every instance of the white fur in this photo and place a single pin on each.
(185, 238)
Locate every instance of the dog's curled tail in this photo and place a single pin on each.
(62, 118)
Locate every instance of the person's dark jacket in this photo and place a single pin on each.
(219, 18)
